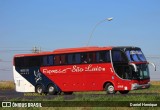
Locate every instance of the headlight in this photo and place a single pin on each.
(134, 86)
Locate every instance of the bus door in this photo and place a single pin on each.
(122, 69)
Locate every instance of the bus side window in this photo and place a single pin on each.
(57, 60)
(47, 60)
(107, 56)
(70, 59)
(74, 58)
(26, 62)
(19, 62)
(51, 59)
(63, 59)
(34, 61)
(97, 57)
(118, 56)
(84, 57)
(91, 57)
(102, 56)
(77, 58)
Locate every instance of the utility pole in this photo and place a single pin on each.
(36, 49)
(107, 19)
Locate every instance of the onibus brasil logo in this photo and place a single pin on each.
(21, 104)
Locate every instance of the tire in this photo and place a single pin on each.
(110, 88)
(39, 89)
(68, 93)
(52, 89)
(124, 92)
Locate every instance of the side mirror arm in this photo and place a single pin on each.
(153, 65)
(135, 67)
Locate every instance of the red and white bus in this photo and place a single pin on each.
(82, 69)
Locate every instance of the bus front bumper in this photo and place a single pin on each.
(136, 86)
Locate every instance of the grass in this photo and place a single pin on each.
(6, 85)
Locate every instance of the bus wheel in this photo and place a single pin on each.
(109, 88)
(52, 89)
(124, 92)
(39, 89)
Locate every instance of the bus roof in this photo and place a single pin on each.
(74, 50)
(80, 49)
(66, 50)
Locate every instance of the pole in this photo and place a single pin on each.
(108, 19)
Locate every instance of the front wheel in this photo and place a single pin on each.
(110, 88)
(124, 92)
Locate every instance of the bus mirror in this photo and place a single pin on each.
(135, 67)
(153, 65)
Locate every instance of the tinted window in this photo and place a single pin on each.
(74, 58)
(27, 61)
(102, 56)
(91, 57)
(47, 60)
(57, 60)
(84, 57)
(63, 59)
(123, 71)
(19, 62)
(135, 55)
(34, 61)
(118, 56)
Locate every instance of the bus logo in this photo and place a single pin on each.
(37, 76)
(75, 69)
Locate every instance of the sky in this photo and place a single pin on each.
(53, 24)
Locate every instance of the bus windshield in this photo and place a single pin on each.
(135, 56)
(142, 73)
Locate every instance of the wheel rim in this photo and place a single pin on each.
(110, 89)
(51, 89)
(39, 89)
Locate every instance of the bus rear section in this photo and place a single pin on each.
(82, 69)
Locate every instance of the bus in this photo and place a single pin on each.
(69, 70)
